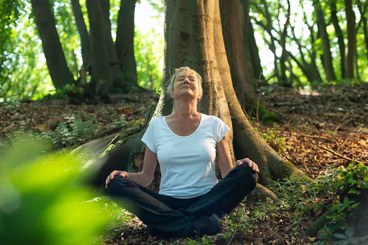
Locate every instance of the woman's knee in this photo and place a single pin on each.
(249, 176)
(117, 185)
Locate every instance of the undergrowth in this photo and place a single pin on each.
(300, 203)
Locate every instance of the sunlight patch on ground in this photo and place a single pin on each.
(307, 90)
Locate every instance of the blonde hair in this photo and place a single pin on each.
(185, 69)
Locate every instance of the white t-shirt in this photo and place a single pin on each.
(187, 163)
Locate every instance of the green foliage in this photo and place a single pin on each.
(72, 132)
(332, 190)
(276, 142)
(237, 221)
(149, 59)
(9, 14)
(68, 34)
(158, 6)
(43, 198)
(260, 112)
(23, 72)
(353, 178)
(348, 238)
(350, 181)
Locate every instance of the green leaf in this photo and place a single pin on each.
(340, 236)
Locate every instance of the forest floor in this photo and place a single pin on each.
(316, 129)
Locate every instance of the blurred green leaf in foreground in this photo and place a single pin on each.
(43, 199)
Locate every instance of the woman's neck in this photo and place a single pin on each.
(185, 109)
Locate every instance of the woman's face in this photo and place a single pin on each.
(186, 84)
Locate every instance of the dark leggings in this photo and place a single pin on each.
(173, 216)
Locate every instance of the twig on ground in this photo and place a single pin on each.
(338, 154)
(231, 238)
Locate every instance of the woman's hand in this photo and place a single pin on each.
(250, 163)
(114, 173)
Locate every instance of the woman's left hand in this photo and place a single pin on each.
(250, 163)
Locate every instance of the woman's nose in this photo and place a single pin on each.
(186, 80)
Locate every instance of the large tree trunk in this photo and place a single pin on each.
(351, 46)
(239, 58)
(117, 75)
(194, 37)
(125, 41)
(101, 74)
(193, 34)
(327, 56)
(55, 58)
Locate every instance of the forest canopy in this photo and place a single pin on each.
(298, 43)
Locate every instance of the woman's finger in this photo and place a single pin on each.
(250, 163)
(111, 177)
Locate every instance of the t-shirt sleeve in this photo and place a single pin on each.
(222, 129)
(149, 136)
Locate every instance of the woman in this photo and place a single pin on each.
(186, 144)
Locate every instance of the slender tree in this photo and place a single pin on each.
(309, 68)
(284, 52)
(339, 35)
(351, 46)
(83, 33)
(363, 10)
(55, 58)
(326, 46)
(312, 51)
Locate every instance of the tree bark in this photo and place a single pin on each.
(125, 41)
(194, 37)
(83, 33)
(101, 80)
(55, 58)
(326, 47)
(339, 35)
(238, 55)
(351, 46)
(363, 9)
(116, 73)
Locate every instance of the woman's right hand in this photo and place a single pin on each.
(114, 173)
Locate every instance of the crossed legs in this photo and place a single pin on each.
(175, 217)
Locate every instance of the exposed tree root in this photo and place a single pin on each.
(262, 193)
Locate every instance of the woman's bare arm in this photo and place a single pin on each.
(144, 177)
(223, 156)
